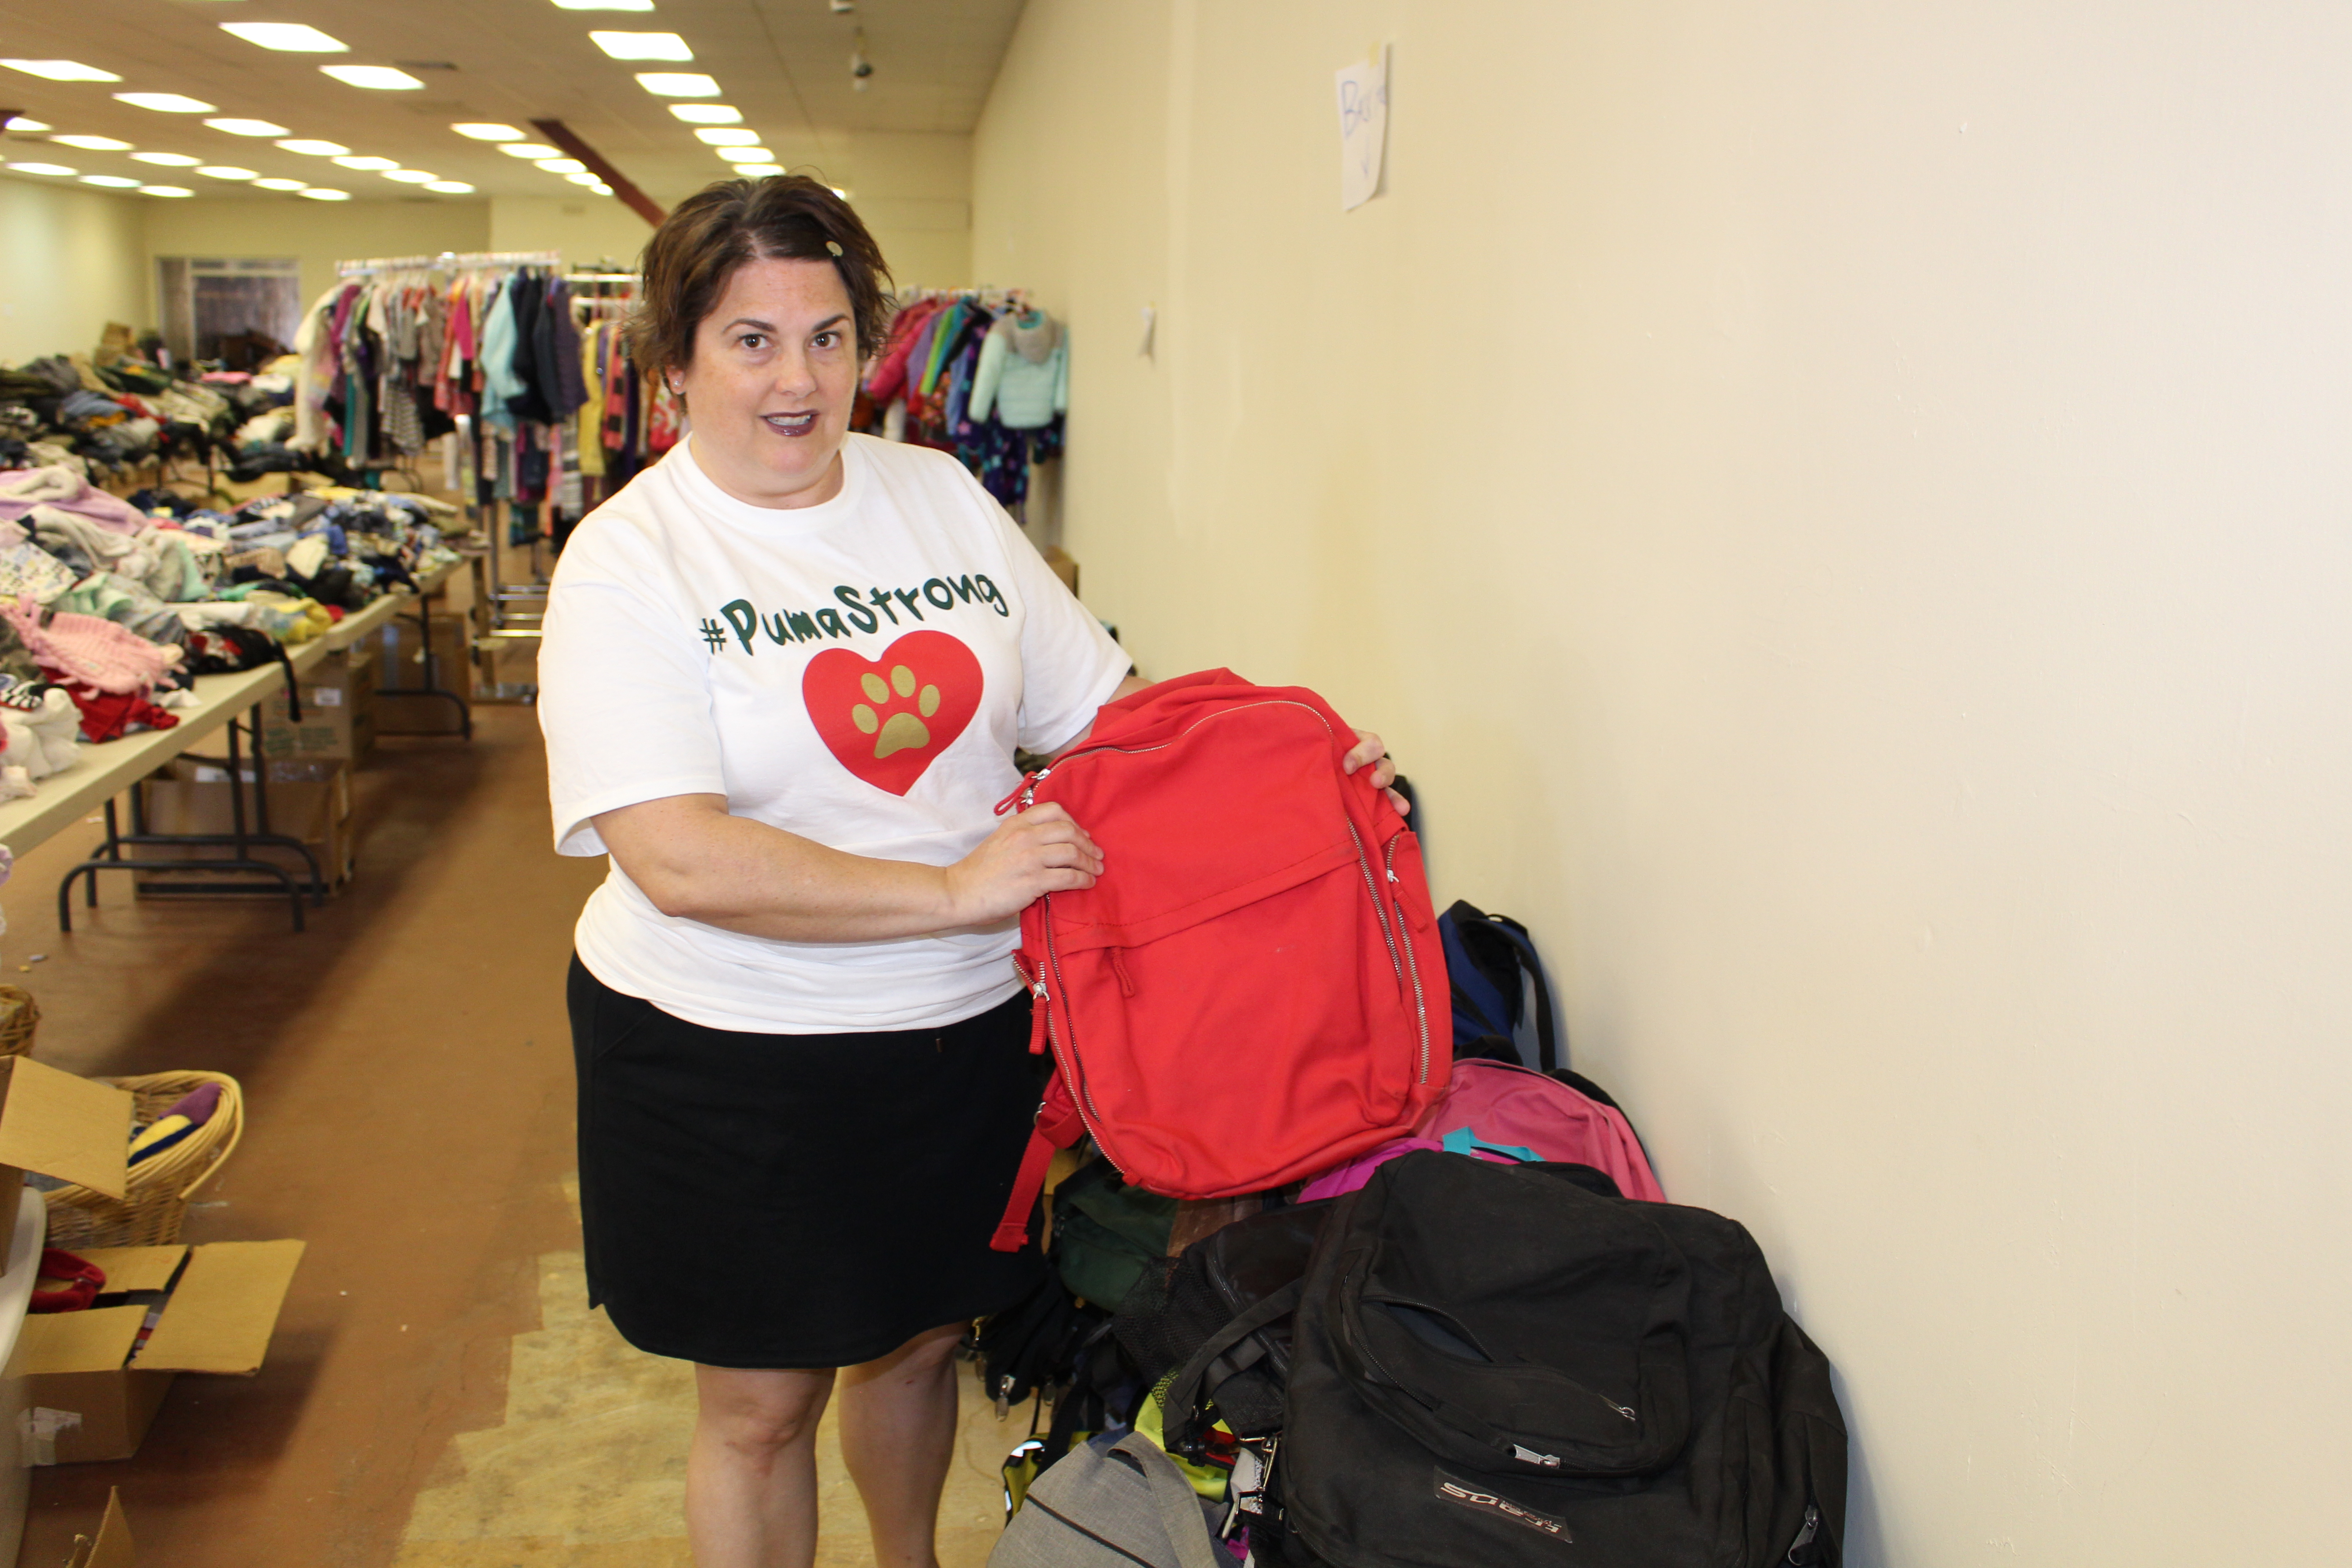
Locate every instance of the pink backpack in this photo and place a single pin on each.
(1511, 1115)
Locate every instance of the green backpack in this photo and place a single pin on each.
(1106, 1233)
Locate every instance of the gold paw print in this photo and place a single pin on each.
(901, 730)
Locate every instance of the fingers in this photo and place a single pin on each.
(1369, 748)
(1404, 806)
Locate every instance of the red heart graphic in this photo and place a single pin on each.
(885, 719)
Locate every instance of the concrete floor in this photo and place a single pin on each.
(438, 1395)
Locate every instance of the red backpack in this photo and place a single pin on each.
(1253, 990)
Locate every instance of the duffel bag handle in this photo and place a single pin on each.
(1177, 1405)
(1179, 1505)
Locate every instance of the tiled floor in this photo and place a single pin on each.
(436, 1394)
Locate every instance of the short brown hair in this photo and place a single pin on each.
(718, 228)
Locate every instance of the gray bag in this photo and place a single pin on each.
(1111, 1510)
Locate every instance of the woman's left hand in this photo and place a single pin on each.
(1370, 748)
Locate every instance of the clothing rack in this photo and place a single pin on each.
(448, 261)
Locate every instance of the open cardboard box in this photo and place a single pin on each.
(59, 1125)
(92, 1388)
(113, 1547)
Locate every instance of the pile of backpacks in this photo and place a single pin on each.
(1339, 1276)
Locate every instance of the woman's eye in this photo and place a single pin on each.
(751, 340)
(826, 340)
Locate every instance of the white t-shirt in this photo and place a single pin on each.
(857, 672)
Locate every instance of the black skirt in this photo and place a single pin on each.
(770, 1201)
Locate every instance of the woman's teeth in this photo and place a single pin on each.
(792, 423)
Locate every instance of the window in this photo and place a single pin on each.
(242, 309)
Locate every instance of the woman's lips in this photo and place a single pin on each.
(791, 423)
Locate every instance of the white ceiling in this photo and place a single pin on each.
(785, 63)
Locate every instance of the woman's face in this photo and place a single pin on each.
(774, 375)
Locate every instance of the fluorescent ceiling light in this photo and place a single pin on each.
(727, 135)
(296, 37)
(747, 154)
(165, 191)
(708, 113)
(18, 122)
(225, 172)
(677, 84)
(642, 46)
(367, 163)
(281, 185)
(600, 190)
(381, 77)
(164, 102)
(561, 165)
(61, 70)
(583, 178)
(451, 187)
(92, 143)
(57, 169)
(759, 170)
(166, 160)
(246, 126)
(604, 4)
(314, 149)
(530, 150)
(489, 132)
(111, 182)
(319, 193)
(410, 177)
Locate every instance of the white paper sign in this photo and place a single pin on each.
(1363, 130)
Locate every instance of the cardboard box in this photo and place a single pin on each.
(400, 649)
(113, 1547)
(1065, 565)
(94, 1388)
(309, 799)
(339, 712)
(59, 1125)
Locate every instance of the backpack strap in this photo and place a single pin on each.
(1184, 1394)
(1178, 1505)
(1548, 1051)
(1058, 1127)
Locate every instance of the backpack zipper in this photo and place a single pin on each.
(1068, 1059)
(1805, 1536)
(1419, 1003)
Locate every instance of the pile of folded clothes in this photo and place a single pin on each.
(110, 608)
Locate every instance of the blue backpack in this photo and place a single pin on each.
(1486, 957)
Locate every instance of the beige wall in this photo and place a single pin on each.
(319, 233)
(69, 263)
(1842, 510)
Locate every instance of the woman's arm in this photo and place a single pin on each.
(697, 862)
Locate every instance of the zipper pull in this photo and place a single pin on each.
(1024, 794)
(1804, 1542)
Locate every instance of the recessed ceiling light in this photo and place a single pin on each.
(61, 70)
(320, 194)
(410, 177)
(111, 182)
(92, 143)
(57, 169)
(313, 148)
(225, 172)
(165, 191)
(600, 190)
(18, 122)
(747, 154)
(166, 160)
(758, 170)
(380, 76)
(451, 187)
(296, 36)
(583, 178)
(561, 165)
(164, 102)
(708, 113)
(281, 185)
(677, 84)
(604, 4)
(727, 135)
(489, 132)
(642, 46)
(530, 150)
(367, 163)
(246, 126)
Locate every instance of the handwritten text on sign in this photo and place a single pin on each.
(1364, 128)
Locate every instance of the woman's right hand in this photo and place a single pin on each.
(1037, 852)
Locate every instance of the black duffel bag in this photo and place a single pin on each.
(1490, 1362)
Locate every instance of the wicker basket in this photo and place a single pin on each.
(19, 1016)
(162, 1184)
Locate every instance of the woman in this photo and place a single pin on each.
(783, 676)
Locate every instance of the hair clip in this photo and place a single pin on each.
(833, 245)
